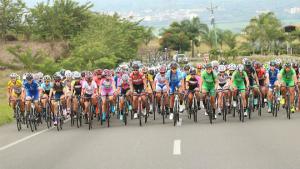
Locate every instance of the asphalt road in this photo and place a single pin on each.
(260, 143)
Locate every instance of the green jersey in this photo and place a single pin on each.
(208, 78)
(238, 77)
(287, 76)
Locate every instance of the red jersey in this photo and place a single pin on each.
(137, 79)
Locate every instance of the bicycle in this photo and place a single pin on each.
(140, 107)
(176, 107)
(91, 112)
(31, 116)
(194, 109)
(108, 109)
(209, 108)
(78, 113)
(239, 107)
(275, 104)
(18, 115)
(225, 108)
(47, 115)
(288, 102)
(59, 117)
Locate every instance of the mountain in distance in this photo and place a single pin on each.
(229, 14)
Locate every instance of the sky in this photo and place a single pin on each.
(229, 14)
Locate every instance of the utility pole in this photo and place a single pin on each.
(212, 9)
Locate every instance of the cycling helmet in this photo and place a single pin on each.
(248, 63)
(135, 67)
(287, 64)
(208, 65)
(199, 66)
(214, 63)
(106, 73)
(98, 72)
(193, 71)
(222, 68)
(162, 69)
(232, 67)
(240, 67)
(145, 70)
(62, 72)
(245, 60)
(89, 74)
(125, 77)
(68, 74)
(151, 72)
(40, 75)
(29, 76)
(76, 75)
(47, 78)
(36, 76)
(24, 76)
(187, 67)
(57, 78)
(13, 76)
(173, 65)
(272, 63)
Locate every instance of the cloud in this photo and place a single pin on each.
(293, 11)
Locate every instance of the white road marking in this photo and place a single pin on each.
(27, 138)
(176, 147)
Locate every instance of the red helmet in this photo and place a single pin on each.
(98, 72)
(199, 66)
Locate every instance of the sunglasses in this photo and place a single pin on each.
(135, 70)
(47, 81)
(57, 81)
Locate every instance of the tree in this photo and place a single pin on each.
(263, 31)
(11, 13)
(229, 39)
(60, 21)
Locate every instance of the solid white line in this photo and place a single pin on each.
(176, 147)
(26, 138)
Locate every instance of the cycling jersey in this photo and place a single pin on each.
(239, 80)
(261, 75)
(17, 84)
(90, 89)
(32, 90)
(273, 77)
(58, 90)
(287, 77)
(137, 81)
(223, 79)
(208, 83)
(149, 79)
(160, 82)
(193, 82)
(174, 80)
(251, 73)
(46, 87)
(77, 87)
(107, 87)
(125, 86)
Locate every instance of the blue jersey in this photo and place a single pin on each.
(46, 87)
(31, 88)
(273, 76)
(174, 78)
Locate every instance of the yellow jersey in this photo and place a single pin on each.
(17, 84)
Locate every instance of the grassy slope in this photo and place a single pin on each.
(5, 110)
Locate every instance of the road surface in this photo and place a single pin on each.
(260, 143)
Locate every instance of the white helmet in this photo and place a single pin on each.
(36, 76)
(244, 60)
(222, 68)
(24, 76)
(232, 67)
(240, 67)
(125, 77)
(76, 75)
(40, 75)
(68, 74)
(13, 75)
(214, 63)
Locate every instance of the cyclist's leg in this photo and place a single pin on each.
(190, 98)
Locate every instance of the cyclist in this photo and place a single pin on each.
(107, 89)
(253, 80)
(223, 88)
(238, 80)
(272, 81)
(287, 77)
(32, 93)
(15, 91)
(199, 70)
(45, 89)
(124, 91)
(58, 92)
(137, 86)
(192, 83)
(161, 86)
(175, 79)
(68, 90)
(209, 83)
(261, 75)
(76, 89)
(149, 82)
(90, 93)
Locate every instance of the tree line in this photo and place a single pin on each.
(264, 35)
(94, 39)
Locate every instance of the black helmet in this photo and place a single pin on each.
(193, 71)
(56, 77)
(272, 63)
(208, 65)
(248, 63)
(29, 77)
(186, 67)
(135, 66)
(287, 64)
